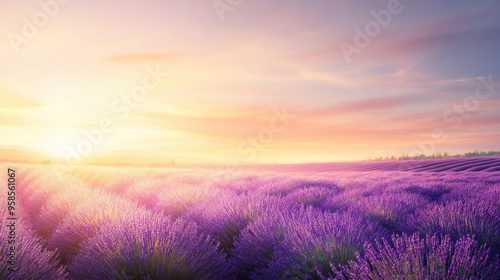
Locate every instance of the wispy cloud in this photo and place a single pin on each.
(144, 58)
(10, 99)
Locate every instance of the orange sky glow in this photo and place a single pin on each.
(260, 82)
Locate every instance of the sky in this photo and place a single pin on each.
(249, 81)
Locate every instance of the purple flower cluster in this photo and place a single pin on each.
(470, 216)
(151, 247)
(85, 221)
(299, 242)
(224, 217)
(32, 260)
(412, 257)
(390, 210)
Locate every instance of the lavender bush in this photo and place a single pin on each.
(90, 218)
(226, 216)
(151, 247)
(33, 261)
(470, 216)
(412, 257)
(314, 240)
(390, 210)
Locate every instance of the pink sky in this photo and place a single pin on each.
(228, 76)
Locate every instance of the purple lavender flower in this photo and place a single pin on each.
(86, 221)
(151, 247)
(32, 260)
(311, 241)
(390, 210)
(410, 257)
(470, 216)
(226, 216)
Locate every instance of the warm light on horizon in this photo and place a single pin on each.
(180, 82)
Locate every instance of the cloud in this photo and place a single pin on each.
(415, 40)
(9, 99)
(385, 103)
(233, 123)
(144, 58)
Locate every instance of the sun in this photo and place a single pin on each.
(57, 143)
(56, 152)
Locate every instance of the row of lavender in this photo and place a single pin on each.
(104, 223)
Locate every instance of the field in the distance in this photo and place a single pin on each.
(428, 219)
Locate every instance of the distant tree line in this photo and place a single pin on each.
(404, 156)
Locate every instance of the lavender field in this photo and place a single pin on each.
(433, 219)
